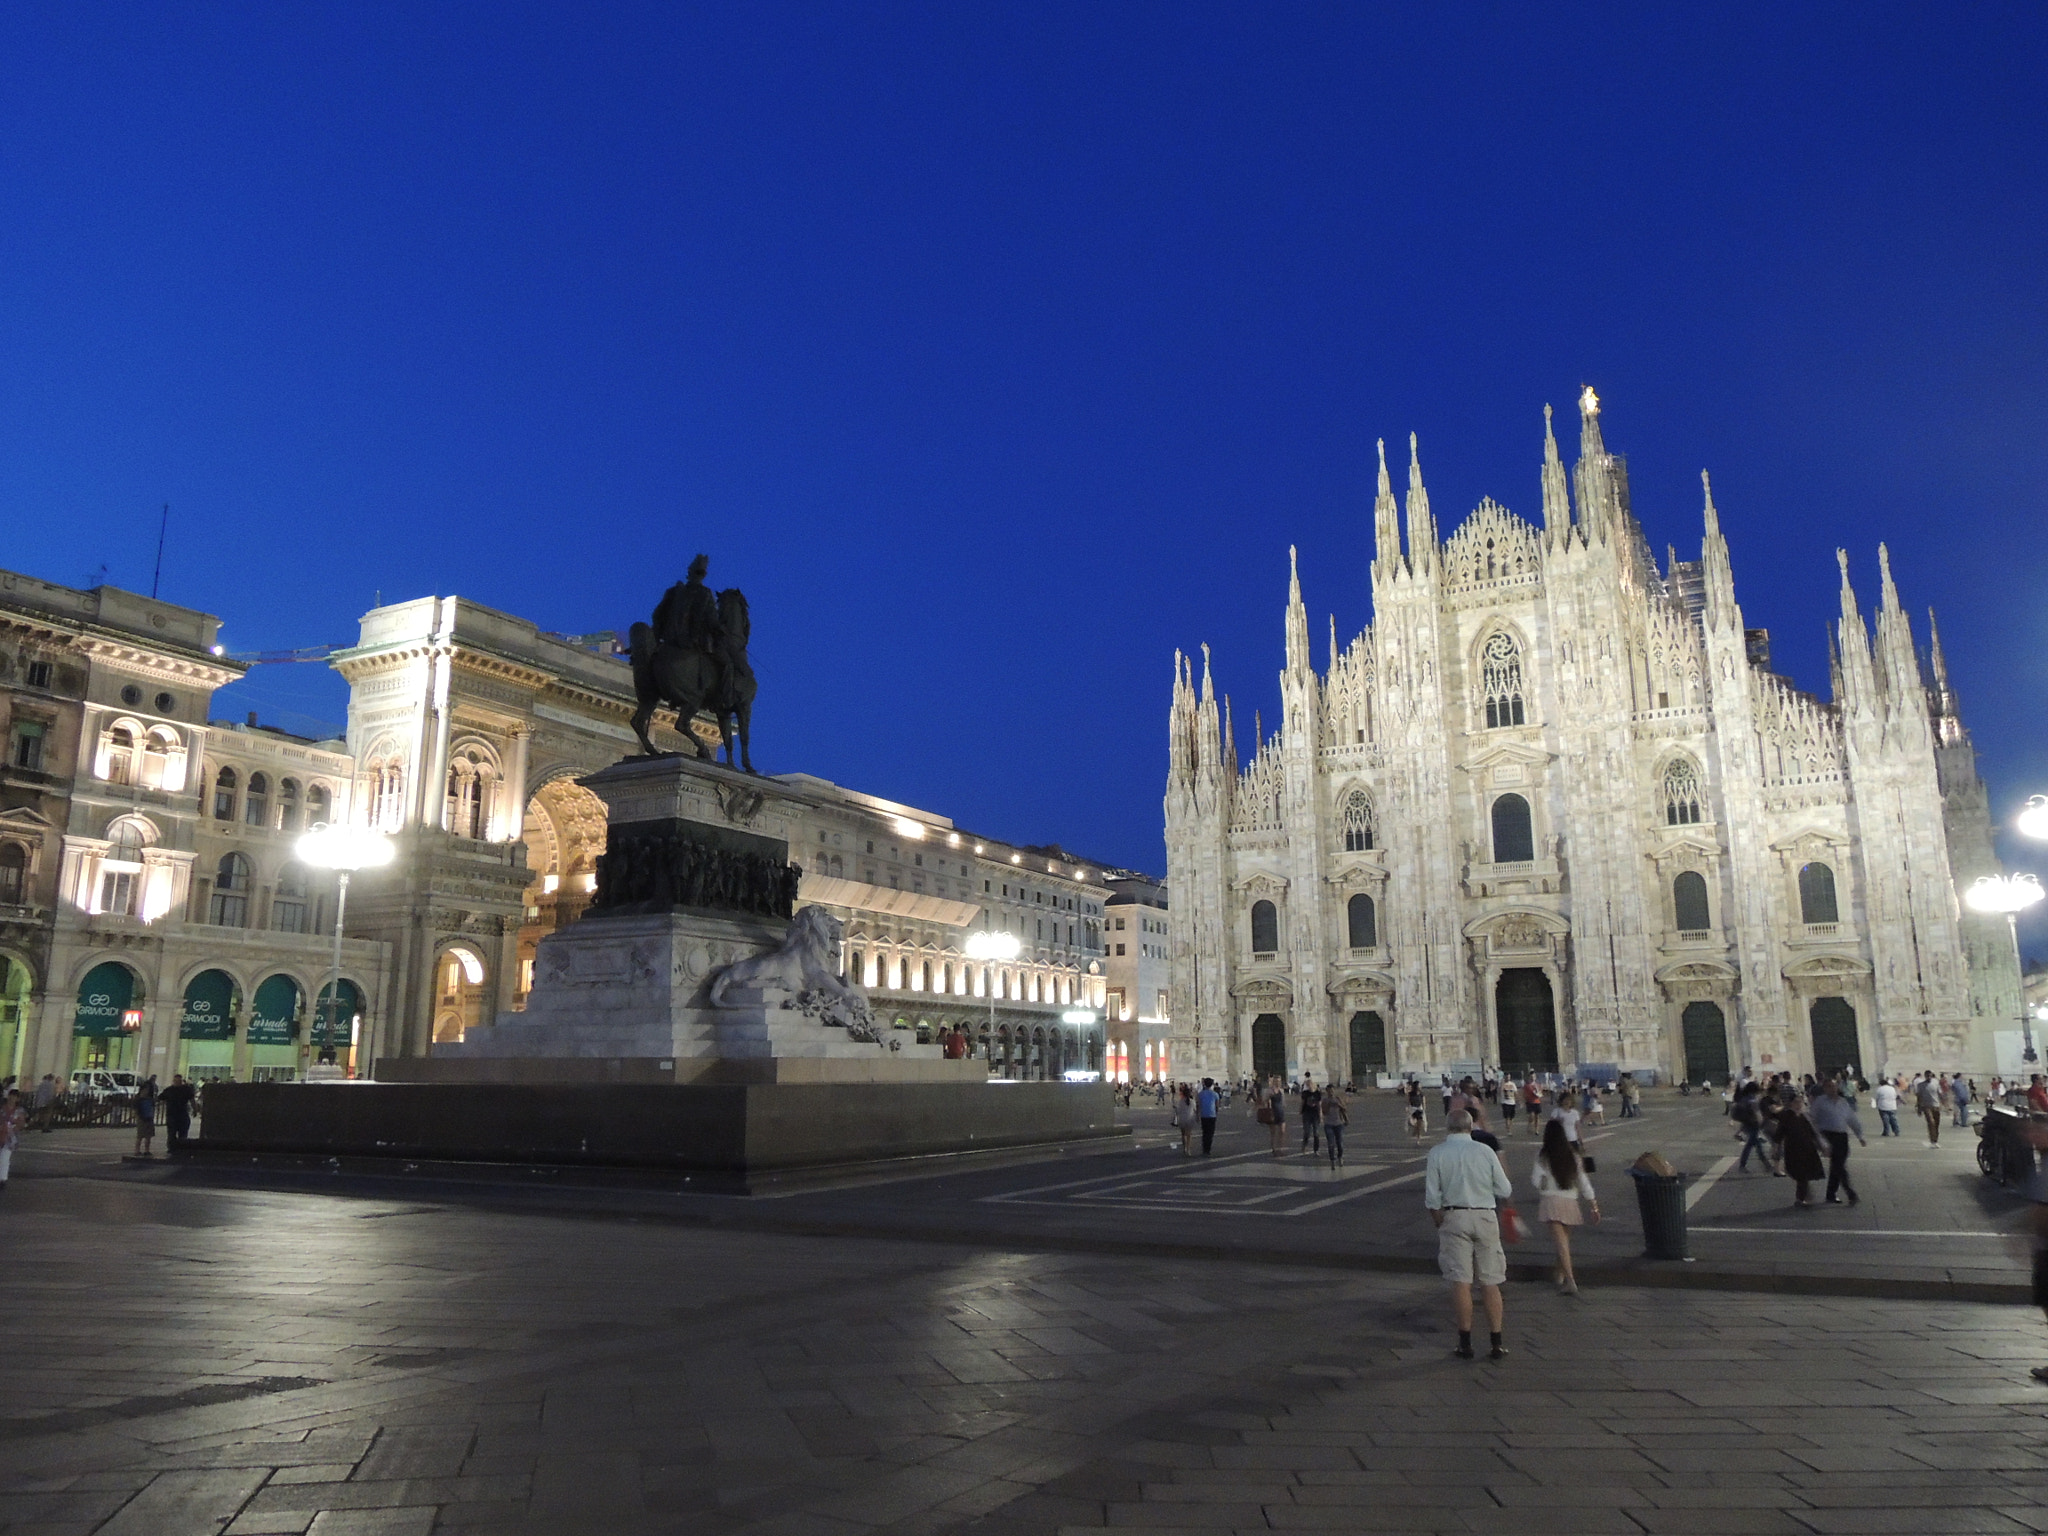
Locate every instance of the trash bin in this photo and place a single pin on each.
(1662, 1199)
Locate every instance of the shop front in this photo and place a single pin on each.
(107, 1019)
(273, 1037)
(206, 1032)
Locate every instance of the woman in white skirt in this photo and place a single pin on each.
(1561, 1185)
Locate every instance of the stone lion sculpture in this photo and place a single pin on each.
(800, 975)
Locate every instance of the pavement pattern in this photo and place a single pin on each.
(197, 1359)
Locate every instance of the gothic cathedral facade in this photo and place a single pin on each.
(1553, 810)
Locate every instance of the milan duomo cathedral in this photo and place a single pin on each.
(1552, 810)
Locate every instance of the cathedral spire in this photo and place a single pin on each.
(1716, 575)
(1422, 549)
(1386, 520)
(1557, 501)
(1857, 687)
(1297, 619)
(1208, 686)
(1333, 642)
(1589, 424)
(1229, 739)
(1940, 662)
(1602, 498)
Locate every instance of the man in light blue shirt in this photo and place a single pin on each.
(1462, 1183)
(1205, 1106)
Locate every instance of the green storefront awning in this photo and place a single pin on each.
(209, 1007)
(104, 998)
(275, 1018)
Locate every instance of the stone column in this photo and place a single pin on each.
(515, 788)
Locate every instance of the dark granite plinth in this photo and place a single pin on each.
(737, 1128)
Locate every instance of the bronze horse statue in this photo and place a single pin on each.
(693, 658)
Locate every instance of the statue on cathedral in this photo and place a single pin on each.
(693, 658)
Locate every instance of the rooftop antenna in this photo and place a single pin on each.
(162, 528)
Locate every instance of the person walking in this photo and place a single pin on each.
(1276, 1114)
(1927, 1099)
(1418, 1112)
(1311, 1118)
(1886, 1097)
(1336, 1115)
(1510, 1100)
(13, 1121)
(1184, 1118)
(1799, 1144)
(1561, 1184)
(1749, 1121)
(177, 1101)
(1462, 1186)
(1835, 1117)
(1631, 1097)
(46, 1101)
(2037, 1095)
(1960, 1090)
(1532, 1105)
(145, 1118)
(1205, 1108)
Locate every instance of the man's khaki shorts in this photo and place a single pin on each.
(1468, 1248)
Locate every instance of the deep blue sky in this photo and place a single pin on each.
(999, 350)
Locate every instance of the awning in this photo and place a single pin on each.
(830, 891)
(104, 998)
(209, 1007)
(274, 1020)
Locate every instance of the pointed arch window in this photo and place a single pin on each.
(1500, 679)
(1357, 821)
(1265, 928)
(1681, 793)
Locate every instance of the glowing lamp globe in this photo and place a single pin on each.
(345, 848)
(2004, 894)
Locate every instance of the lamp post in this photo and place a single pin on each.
(343, 850)
(986, 947)
(2011, 895)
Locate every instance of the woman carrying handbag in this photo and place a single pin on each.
(1561, 1184)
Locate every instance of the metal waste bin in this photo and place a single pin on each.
(1661, 1197)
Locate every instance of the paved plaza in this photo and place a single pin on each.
(196, 1356)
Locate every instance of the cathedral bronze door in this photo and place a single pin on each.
(1706, 1043)
(1834, 1036)
(1368, 1047)
(1528, 1021)
(1269, 1047)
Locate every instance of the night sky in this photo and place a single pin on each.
(996, 351)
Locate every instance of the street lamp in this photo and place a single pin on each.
(2012, 895)
(2033, 817)
(343, 850)
(986, 947)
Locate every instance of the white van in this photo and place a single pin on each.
(97, 1083)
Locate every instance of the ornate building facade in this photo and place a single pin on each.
(1552, 809)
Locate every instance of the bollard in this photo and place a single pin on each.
(1662, 1200)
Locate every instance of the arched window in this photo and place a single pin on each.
(288, 805)
(121, 869)
(1357, 821)
(224, 784)
(1681, 793)
(1265, 928)
(387, 795)
(231, 882)
(319, 805)
(466, 795)
(13, 875)
(1689, 902)
(856, 968)
(121, 755)
(256, 803)
(1500, 679)
(1514, 841)
(288, 907)
(924, 981)
(156, 762)
(1363, 922)
(1817, 894)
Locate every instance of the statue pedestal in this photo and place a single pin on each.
(694, 881)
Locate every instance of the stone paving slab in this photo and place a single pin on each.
(510, 1371)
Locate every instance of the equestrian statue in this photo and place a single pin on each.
(693, 658)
